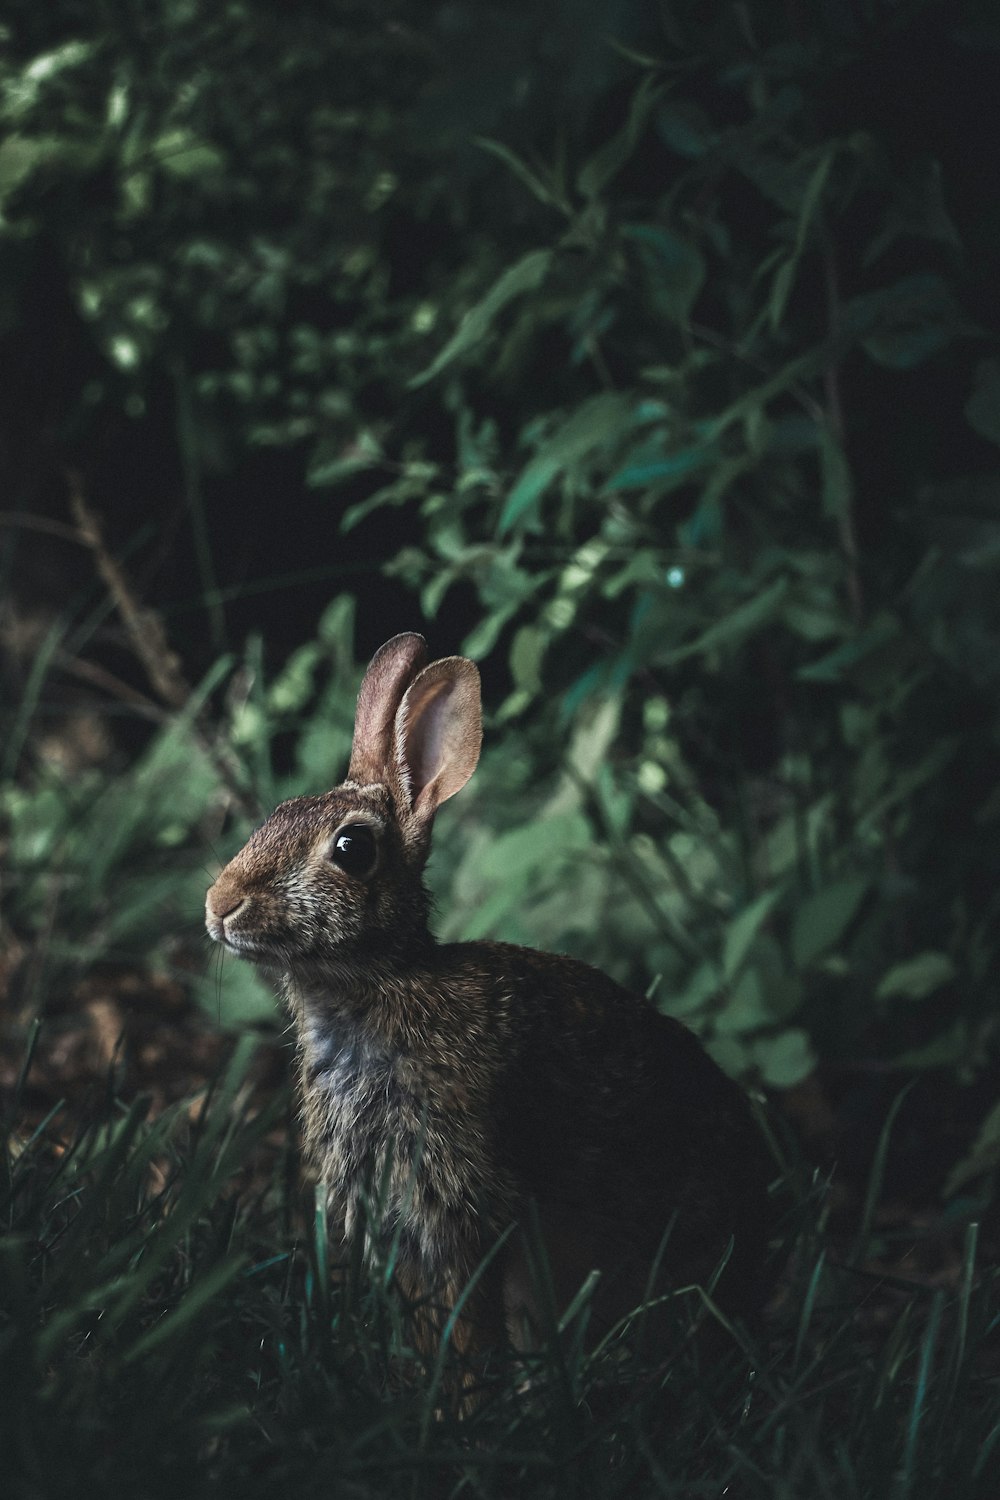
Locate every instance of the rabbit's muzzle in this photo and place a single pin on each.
(224, 905)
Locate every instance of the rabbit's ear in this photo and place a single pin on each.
(391, 670)
(438, 733)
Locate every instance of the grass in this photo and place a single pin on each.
(172, 1319)
(176, 1315)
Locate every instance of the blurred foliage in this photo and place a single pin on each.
(668, 342)
(113, 868)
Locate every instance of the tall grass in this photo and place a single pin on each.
(174, 1317)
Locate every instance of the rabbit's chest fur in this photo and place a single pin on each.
(379, 1122)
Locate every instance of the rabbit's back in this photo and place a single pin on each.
(614, 1119)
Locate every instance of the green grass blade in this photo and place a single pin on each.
(875, 1179)
(207, 1287)
(920, 1395)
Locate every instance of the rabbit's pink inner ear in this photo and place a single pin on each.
(390, 671)
(438, 732)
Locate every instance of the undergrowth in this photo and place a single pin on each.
(176, 1314)
(175, 1317)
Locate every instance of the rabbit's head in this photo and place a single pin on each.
(328, 872)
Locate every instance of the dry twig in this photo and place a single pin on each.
(149, 641)
(145, 628)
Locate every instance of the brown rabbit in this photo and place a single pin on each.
(482, 1085)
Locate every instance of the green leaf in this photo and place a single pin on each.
(902, 348)
(532, 179)
(701, 987)
(483, 637)
(837, 663)
(597, 421)
(183, 155)
(236, 997)
(19, 156)
(823, 918)
(781, 290)
(982, 409)
(948, 1050)
(588, 750)
(674, 266)
(784, 278)
(917, 977)
(608, 160)
(685, 129)
(736, 626)
(743, 929)
(984, 1156)
(906, 781)
(639, 474)
(902, 324)
(293, 686)
(803, 367)
(493, 884)
(527, 650)
(513, 854)
(525, 275)
(784, 1060)
(812, 622)
(746, 1007)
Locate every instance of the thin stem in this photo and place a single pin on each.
(835, 420)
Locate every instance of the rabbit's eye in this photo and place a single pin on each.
(354, 850)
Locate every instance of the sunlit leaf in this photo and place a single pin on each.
(917, 977)
(784, 1060)
(526, 653)
(181, 154)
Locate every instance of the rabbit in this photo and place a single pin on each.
(492, 1094)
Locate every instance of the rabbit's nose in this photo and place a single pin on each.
(223, 904)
